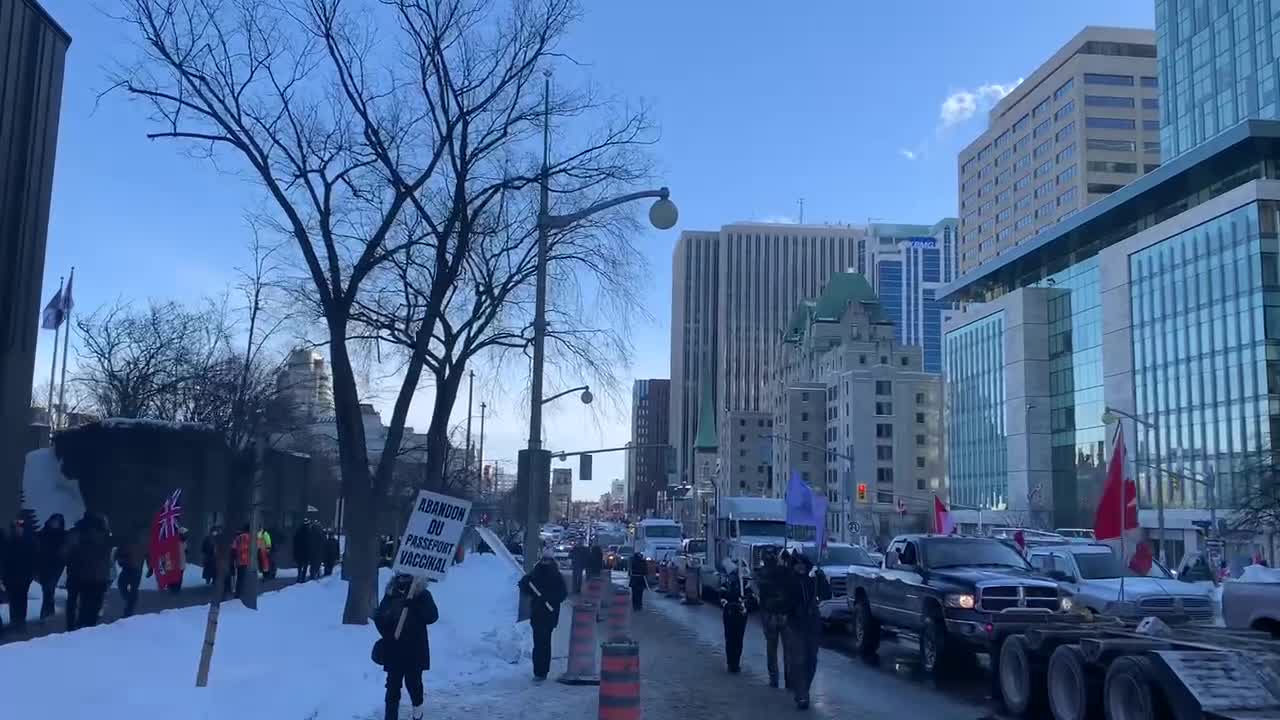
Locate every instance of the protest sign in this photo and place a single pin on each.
(431, 536)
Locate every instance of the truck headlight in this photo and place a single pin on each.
(964, 601)
(1066, 604)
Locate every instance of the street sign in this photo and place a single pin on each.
(855, 527)
(431, 536)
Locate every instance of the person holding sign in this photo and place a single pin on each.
(546, 586)
(403, 649)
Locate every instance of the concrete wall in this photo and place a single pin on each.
(32, 57)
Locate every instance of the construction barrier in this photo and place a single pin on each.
(664, 578)
(593, 588)
(581, 669)
(619, 681)
(692, 589)
(619, 627)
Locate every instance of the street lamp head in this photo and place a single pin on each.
(1109, 417)
(587, 397)
(663, 213)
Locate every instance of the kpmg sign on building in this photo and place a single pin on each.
(921, 243)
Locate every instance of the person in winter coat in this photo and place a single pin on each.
(265, 565)
(405, 649)
(302, 549)
(773, 612)
(88, 553)
(20, 554)
(545, 586)
(578, 563)
(240, 554)
(805, 587)
(315, 548)
(131, 557)
(735, 603)
(209, 555)
(332, 551)
(49, 560)
(595, 561)
(639, 574)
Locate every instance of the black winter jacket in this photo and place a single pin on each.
(771, 583)
(802, 593)
(88, 551)
(546, 577)
(595, 559)
(20, 551)
(411, 652)
(51, 540)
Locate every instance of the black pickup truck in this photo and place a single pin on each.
(957, 594)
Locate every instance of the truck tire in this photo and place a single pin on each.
(935, 648)
(1021, 682)
(1129, 693)
(866, 629)
(1075, 690)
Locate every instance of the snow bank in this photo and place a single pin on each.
(292, 659)
(1260, 574)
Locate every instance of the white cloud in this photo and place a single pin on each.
(963, 104)
(908, 154)
(776, 219)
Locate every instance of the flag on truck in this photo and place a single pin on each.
(1117, 514)
(942, 522)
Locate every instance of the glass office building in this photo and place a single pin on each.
(975, 414)
(909, 263)
(1160, 301)
(1218, 63)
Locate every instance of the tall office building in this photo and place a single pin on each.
(1219, 64)
(907, 264)
(33, 53)
(561, 493)
(305, 384)
(650, 429)
(732, 293)
(1080, 127)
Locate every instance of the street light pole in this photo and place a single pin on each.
(1154, 465)
(662, 215)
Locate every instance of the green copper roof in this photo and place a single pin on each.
(841, 290)
(706, 439)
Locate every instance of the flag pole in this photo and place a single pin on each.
(1124, 505)
(66, 342)
(53, 367)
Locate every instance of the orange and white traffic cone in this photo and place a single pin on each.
(692, 590)
(619, 681)
(619, 628)
(581, 669)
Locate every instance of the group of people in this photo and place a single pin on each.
(85, 552)
(315, 550)
(789, 589)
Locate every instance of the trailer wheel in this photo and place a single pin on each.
(1129, 694)
(866, 630)
(1021, 683)
(1074, 693)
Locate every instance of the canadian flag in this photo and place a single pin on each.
(942, 522)
(1117, 514)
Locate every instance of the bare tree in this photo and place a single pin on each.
(392, 142)
(1258, 511)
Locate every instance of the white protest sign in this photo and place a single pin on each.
(431, 536)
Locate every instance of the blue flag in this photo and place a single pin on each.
(806, 508)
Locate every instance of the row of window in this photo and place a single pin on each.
(1148, 146)
(1110, 123)
(1120, 80)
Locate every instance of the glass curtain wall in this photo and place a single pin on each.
(976, 441)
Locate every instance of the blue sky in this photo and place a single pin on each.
(760, 104)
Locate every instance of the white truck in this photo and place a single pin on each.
(657, 539)
(741, 529)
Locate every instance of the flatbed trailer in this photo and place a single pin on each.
(1081, 670)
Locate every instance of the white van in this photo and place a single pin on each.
(658, 539)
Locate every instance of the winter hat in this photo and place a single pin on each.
(547, 554)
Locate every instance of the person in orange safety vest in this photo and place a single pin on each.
(240, 552)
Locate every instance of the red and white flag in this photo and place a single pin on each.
(166, 542)
(1117, 514)
(942, 522)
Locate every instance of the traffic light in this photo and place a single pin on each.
(584, 468)
(862, 492)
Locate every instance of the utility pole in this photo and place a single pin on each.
(801, 203)
(480, 452)
(471, 385)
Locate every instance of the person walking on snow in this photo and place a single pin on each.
(773, 612)
(88, 553)
(805, 587)
(302, 549)
(20, 552)
(240, 553)
(332, 551)
(578, 562)
(49, 560)
(315, 549)
(595, 561)
(131, 557)
(404, 649)
(639, 580)
(545, 587)
(264, 555)
(734, 606)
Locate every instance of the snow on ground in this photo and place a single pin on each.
(290, 660)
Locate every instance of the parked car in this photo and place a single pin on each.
(1077, 534)
(693, 553)
(1253, 600)
(1091, 574)
(835, 564)
(957, 595)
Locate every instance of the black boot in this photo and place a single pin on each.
(393, 711)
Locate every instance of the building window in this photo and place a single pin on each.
(884, 431)
(884, 409)
(1065, 132)
(1040, 109)
(1066, 153)
(920, 485)
(804, 456)
(742, 438)
(1067, 175)
(804, 397)
(1045, 168)
(884, 359)
(742, 422)
(1148, 167)
(904, 361)
(1102, 188)
(1021, 124)
(1042, 129)
(1104, 79)
(862, 359)
(884, 387)
(1151, 125)
(1151, 146)
(920, 418)
(1114, 101)
(1067, 199)
(1114, 145)
(919, 398)
(1112, 166)
(1022, 163)
(804, 417)
(805, 476)
(1109, 123)
(884, 475)
(1148, 81)
(1064, 111)
(920, 441)
(1150, 104)
(884, 452)
(1042, 149)
(803, 436)
(919, 461)
(1062, 91)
